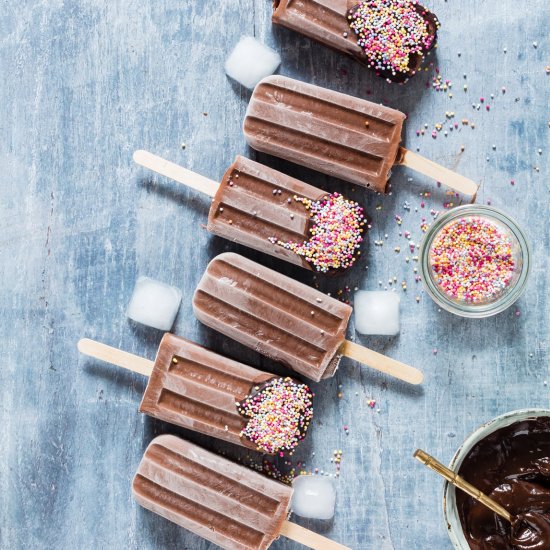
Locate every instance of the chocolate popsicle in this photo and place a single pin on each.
(198, 389)
(269, 211)
(391, 37)
(219, 500)
(283, 319)
(334, 133)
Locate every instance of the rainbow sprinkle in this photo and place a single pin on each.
(336, 233)
(472, 260)
(280, 412)
(390, 32)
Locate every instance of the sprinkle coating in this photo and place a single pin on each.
(390, 32)
(336, 233)
(280, 412)
(472, 260)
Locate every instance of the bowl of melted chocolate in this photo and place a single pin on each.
(509, 460)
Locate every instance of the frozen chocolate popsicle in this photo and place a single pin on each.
(334, 133)
(219, 500)
(198, 389)
(283, 319)
(269, 211)
(391, 37)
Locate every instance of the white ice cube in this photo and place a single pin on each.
(250, 61)
(154, 304)
(314, 496)
(376, 312)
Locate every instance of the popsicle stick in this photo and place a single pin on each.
(115, 356)
(308, 538)
(382, 363)
(461, 483)
(175, 172)
(436, 171)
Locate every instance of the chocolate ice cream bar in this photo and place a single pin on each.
(391, 37)
(269, 211)
(226, 503)
(334, 133)
(283, 319)
(198, 389)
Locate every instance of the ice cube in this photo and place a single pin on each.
(250, 61)
(376, 312)
(154, 304)
(314, 496)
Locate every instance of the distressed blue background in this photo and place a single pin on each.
(85, 83)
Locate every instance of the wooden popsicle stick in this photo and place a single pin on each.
(461, 483)
(382, 363)
(436, 171)
(308, 538)
(176, 172)
(115, 356)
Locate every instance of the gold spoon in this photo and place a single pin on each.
(461, 483)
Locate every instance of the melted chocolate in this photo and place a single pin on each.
(512, 466)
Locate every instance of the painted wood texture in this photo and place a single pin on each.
(84, 84)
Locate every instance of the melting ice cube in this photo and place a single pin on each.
(154, 304)
(314, 496)
(376, 312)
(250, 61)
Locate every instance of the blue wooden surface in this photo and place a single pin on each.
(86, 82)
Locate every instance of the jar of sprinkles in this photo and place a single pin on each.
(475, 261)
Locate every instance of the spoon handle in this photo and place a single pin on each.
(457, 481)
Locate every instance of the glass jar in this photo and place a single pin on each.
(520, 254)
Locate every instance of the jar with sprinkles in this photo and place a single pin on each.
(475, 261)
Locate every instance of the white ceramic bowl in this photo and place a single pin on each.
(450, 510)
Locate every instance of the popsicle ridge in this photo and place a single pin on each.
(255, 295)
(327, 12)
(331, 108)
(312, 149)
(209, 376)
(193, 516)
(212, 480)
(273, 417)
(283, 102)
(201, 390)
(273, 314)
(321, 20)
(334, 133)
(254, 203)
(260, 181)
(226, 503)
(201, 415)
(240, 209)
(248, 325)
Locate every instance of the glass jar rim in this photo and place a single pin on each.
(469, 309)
